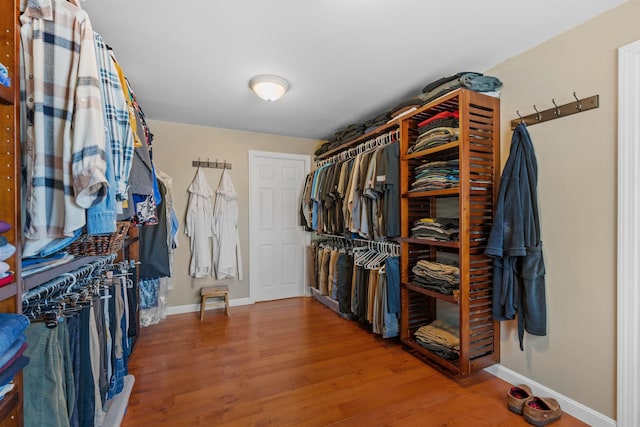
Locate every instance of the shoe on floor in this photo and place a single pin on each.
(541, 411)
(516, 396)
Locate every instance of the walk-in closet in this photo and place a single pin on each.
(318, 213)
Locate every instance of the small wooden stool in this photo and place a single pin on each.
(218, 291)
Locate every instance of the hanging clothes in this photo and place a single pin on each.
(199, 225)
(79, 351)
(369, 294)
(514, 242)
(64, 140)
(226, 242)
(356, 196)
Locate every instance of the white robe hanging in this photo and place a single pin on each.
(199, 225)
(227, 261)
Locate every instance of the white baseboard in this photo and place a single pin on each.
(570, 406)
(118, 405)
(193, 308)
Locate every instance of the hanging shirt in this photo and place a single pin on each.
(199, 225)
(63, 128)
(226, 242)
(117, 124)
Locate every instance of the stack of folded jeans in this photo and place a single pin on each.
(35, 265)
(470, 80)
(442, 229)
(440, 338)
(12, 346)
(436, 175)
(437, 277)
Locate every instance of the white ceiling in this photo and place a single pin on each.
(190, 61)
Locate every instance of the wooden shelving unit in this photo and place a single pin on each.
(10, 295)
(477, 151)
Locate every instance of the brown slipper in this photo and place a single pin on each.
(541, 411)
(516, 396)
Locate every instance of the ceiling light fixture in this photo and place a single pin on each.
(269, 87)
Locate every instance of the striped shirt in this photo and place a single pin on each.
(64, 140)
(119, 134)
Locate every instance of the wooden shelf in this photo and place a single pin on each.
(455, 191)
(437, 295)
(430, 151)
(431, 242)
(38, 279)
(8, 403)
(449, 365)
(8, 291)
(6, 95)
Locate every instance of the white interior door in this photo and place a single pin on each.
(277, 241)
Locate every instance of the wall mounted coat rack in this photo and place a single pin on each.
(557, 111)
(208, 164)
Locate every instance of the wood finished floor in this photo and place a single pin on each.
(296, 363)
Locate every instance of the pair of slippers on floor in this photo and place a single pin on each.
(538, 411)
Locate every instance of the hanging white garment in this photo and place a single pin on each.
(226, 242)
(199, 225)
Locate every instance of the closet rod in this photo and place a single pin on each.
(557, 111)
(379, 141)
(388, 246)
(208, 164)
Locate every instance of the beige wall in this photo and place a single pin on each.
(174, 147)
(577, 190)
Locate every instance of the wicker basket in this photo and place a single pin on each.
(100, 245)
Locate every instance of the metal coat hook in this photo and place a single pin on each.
(521, 118)
(538, 115)
(578, 102)
(557, 112)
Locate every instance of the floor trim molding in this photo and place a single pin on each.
(570, 406)
(194, 308)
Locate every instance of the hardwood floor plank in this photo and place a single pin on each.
(296, 363)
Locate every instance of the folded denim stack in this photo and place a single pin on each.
(436, 276)
(436, 175)
(442, 229)
(6, 251)
(12, 346)
(470, 80)
(37, 264)
(440, 338)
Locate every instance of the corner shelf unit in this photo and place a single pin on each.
(478, 153)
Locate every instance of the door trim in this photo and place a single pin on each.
(253, 266)
(628, 411)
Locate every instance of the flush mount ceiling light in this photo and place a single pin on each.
(269, 87)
